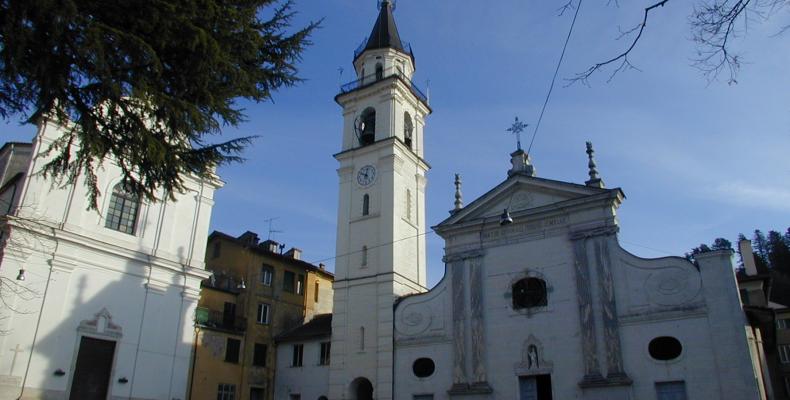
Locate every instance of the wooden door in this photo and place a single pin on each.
(92, 372)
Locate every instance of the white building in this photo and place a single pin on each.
(105, 310)
(538, 302)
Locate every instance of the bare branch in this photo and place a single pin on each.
(568, 6)
(624, 63)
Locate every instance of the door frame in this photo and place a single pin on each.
(108, 332)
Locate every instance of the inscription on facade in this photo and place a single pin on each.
(520, 229)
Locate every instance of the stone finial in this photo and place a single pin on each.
(459, 201)
(520, 163)
(595, 179)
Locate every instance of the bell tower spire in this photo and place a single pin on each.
(381, 215)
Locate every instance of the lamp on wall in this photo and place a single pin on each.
(21, 276)
(241, 284)
(505, 218)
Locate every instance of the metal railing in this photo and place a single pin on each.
(385, 74)
(217, 319)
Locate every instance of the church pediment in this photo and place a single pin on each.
(518, 193)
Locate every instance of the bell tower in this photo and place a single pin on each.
(380, 249)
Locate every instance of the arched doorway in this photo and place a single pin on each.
(361, 389)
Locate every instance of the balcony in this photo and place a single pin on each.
(385, 74)
(213, 319)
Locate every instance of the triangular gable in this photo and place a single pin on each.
(520, 192)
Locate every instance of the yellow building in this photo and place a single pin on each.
(255, 293)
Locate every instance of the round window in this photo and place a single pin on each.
(665, 348)
(423, 367)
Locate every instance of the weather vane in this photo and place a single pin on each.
(517, 128)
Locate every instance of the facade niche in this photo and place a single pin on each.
(529, 292)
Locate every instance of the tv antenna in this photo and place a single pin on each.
(271, 230)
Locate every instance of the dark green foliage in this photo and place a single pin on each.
(778, 252)
(144, 83)
(718, 244)
(760, 246)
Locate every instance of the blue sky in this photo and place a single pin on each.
(697, 160)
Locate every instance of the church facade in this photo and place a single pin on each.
(538, 301)
(96, 304)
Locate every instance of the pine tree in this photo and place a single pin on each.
(741, 236)
(145, 83)
(760, 245)
(778, 252)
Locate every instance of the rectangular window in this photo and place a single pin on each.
(257, 393)
(315, 294)
(263, 313)
(232, 350)
(298, 351)
(217, 248)
(294, 396)
(324, 358)
(300, 285)
(267, 273)
(289, 281)
(671, 390)
(784, 353)
(226, 391)
(229, 315)
(422, 397)
(259, 355)
(783, 323)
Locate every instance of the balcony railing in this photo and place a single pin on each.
(217, 319)
(385, 74)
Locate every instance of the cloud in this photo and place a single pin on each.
(750, 195)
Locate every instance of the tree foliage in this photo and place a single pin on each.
(143, 83)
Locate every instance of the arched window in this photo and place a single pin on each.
(123, 209)
(379, 71)
(361, 338)
(529, 292)
(367, 128)
(366, 204)
(408, 129)
(364, 256)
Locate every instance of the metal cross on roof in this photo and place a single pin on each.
(516, 129)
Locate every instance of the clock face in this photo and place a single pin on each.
(366, 175)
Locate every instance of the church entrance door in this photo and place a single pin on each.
(92, 372)
(536, 387)
(362, 389)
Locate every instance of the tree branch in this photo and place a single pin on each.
(622, 58)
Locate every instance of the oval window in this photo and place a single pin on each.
(665, 348)
(423, 367)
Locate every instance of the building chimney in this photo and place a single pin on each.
(321, 266)
(294, 253)
(745, 246)
(270, 246)
(249, 238)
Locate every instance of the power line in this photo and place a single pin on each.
(553, 79)
(373, 247)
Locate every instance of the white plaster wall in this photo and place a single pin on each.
(310, 380)
(148, 283)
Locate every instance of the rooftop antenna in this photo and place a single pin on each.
(340, 75)
(271, 230)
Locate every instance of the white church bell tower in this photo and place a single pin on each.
(381, 214)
